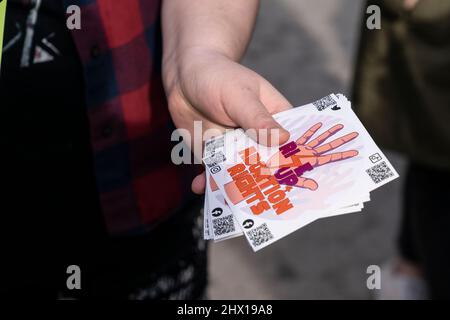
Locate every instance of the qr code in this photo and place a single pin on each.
(380, 172)
(223, 225)
(215, 159)
(324, 103)
(259, 235)
(214, 144)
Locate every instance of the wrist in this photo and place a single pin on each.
(179, 63)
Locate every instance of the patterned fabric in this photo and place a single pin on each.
(120, 48)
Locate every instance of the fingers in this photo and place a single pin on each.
(249, 113)
(307, 183)
(324, 136)
(272, 99)
(321, 160)
(308, 134)
(199, 184)
(193, 127)
(337, 143)
(212, 182)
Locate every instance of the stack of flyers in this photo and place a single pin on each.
(327, 168)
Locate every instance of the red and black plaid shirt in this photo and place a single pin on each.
(120, 49)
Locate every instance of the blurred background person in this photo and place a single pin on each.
(402, 95)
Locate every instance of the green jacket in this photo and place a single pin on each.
(402, 81)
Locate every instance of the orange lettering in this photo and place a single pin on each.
(260, 207)
(282, 206)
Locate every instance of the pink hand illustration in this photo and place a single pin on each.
(312, 152)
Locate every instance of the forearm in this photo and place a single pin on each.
(203, 79)
(220, 26)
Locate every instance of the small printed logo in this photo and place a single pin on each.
(375, 158)
(217, 212)
(215, 170)
(336, 108)
(248, 223)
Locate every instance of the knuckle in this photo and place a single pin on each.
(175, 102)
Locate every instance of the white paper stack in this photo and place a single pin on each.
(328, 167)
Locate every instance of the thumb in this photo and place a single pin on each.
(248, 112)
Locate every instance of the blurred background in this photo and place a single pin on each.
(307, 50)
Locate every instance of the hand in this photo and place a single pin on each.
(410, 4)
(310, 151)
(208, 86)
(313, 152)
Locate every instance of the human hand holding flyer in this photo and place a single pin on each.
(329, 167)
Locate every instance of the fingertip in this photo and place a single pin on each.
(273, 137)
(284, 136)
(311, 185)
(199, 184)
(350, 154)
(318, 125)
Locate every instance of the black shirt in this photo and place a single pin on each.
(48, 170)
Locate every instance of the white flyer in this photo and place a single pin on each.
(329, 163)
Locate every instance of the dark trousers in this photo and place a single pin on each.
(51, 218)
(166, 263)
(425, 230)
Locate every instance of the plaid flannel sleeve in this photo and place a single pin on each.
(120, 49)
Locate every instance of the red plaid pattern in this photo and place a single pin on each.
(120, 49)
